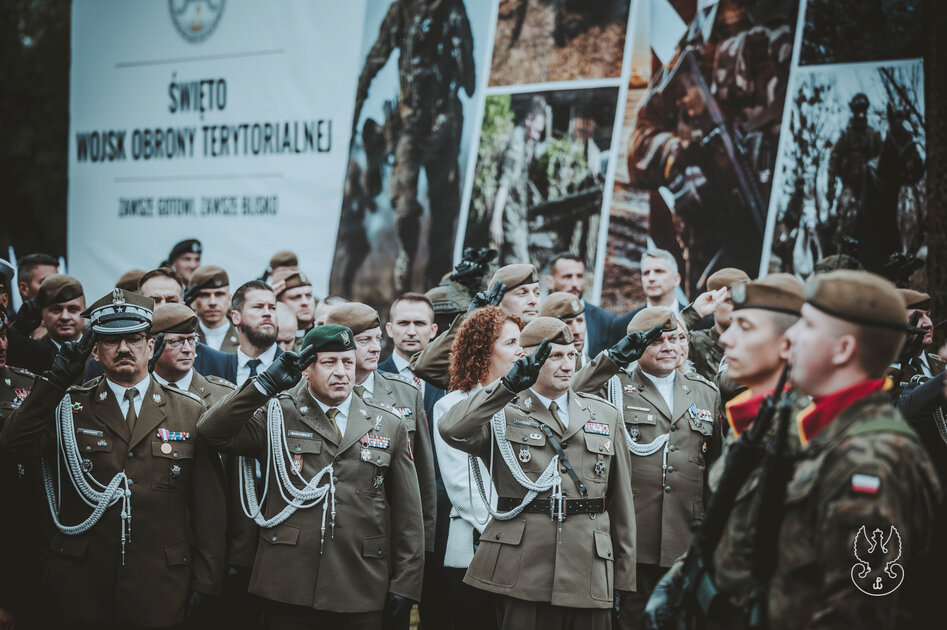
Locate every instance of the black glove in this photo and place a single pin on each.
(630, 347)
(285, 371)
(28, 318)
(159, 348)
(658, 612)
(69, 363)
(397, 611)
(525, 371)
(493, 297)
(471, 269)
(915, 342)
(191, 294)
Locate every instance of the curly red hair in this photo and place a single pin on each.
(470, 354)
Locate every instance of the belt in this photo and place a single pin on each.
(547, 506)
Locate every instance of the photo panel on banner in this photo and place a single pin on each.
(418, 91)
(699, 142)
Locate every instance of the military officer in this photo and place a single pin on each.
(918, 362)
(514, 288)
(673, 428)
(395, 391)
(567, 307)
(61, 301)
(155, 492)
(293, 288)
(185, 258)
(356, 556)
(209, 295)
(552, 452)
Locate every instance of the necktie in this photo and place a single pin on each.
(253, 364)
(174, 385)
(359, 391)
(130, 416)
(331, 413)
(554, 410)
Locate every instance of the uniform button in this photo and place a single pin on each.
(174, 454)
(498, 537)
(130, 454)
(379, 553)
(562, 469)
(673, 427)
(335, 480)
(337, 459)
(667, 489)
(525, 439)
(601, 449)
(299, 448)
(564, 445)
(670, 469)
(88, 448)
(273, 538)
(185, 558)
(672, 448)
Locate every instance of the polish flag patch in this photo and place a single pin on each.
(865, 484)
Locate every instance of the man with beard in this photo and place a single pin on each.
(294, 289)
(253, 312)
(209, 296)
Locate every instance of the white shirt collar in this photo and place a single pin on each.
(562, 402)
(184, 383)
(265, 358)
(665, 386)
(369, 384)
(400, 362)
(343, 406)
(119, 391)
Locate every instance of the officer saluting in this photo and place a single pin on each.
(347, 551)
(148, 528)
(562, 544)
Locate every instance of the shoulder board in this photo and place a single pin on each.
(380, 405)
(594, 397)
(182, 392)
(21, 371)
(87, 386)
(391, 376)
(694, 376)
(216, 380)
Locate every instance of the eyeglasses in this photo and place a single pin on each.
(179, 343)
(114, 341)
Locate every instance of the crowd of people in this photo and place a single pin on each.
(178, 454)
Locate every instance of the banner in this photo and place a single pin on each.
(224, 121)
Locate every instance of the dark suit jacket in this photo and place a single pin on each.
(230, 367)
(599, 329)
(208, 362)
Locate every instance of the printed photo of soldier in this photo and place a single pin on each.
(558, 40)
(844, 31)
(699, 143)
(540, 174)
(410, 133)
(850, 179)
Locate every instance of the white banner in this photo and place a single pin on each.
(226, 121)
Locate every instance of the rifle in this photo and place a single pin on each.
(696, 589)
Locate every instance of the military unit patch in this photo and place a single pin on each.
(596, 428)
(865, 484)
(375, 441)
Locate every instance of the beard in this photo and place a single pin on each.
(257, 337)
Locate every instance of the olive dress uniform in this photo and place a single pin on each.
(377, 545)
(230, 343)
(525, 559)
(178, 514)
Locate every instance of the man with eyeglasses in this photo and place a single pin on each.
(138, 500)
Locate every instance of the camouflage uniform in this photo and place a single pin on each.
(850, 156)
(514, 175)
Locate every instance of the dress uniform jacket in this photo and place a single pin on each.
(432, 364)
(177, 502)
(522, 557)
(399, 393)
(667, 502)
(230, 342)
(378, 543)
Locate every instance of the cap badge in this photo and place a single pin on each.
(345, 337)
(118, 296)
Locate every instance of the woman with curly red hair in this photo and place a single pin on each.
(485, 349)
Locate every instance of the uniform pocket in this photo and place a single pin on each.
(171, 464)
(177, 554)
(281, 535)
(498, 558)
(73, 546)
(375, 547)
(373, 471)
(603, 567)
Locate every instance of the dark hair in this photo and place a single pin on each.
(26, 265)
(470, 354)
(551, 265)
(240, 296)
(161, 272)
(418, 298)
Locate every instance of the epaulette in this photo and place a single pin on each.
(89, 385)
(381, 405)
(21, 371)
(391, 376)
(216, 380)
(694, 376)
(596, 398)
(183, 392)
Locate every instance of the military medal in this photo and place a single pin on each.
(599, 469)
(375, 441)
(525, 455)
(365, 454)
(379, 479)
(175, 471)
(21, 393)
(87, 465)
(297, 463)
(377, 426)
(595, 428)
(303, 409)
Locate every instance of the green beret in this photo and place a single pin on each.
(859, 297)
(648, 318)
(330, 338)
(209, 277)
(173, 318)
(726, 277)
(780, 292)
(354, 315)
(515, 275)
(916, 299)
(58, 288)
(555, 330)
(561, 305)
(121, 312)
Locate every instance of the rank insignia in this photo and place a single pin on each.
(76, 407)
(365, 454)
(377, 481)
(599, 468)
(87, 465)
(103, 395)
(375, 441)
(525, 455)
(156, 398)
(175, 471)
(596, 428)
(303, 409)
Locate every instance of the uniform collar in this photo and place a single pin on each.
(343, 406)
(266, 357)
(825, 409)
(369, 384)
(119, 391)
(183, 383)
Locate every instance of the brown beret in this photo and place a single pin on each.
(835, 262)
(859, 297)
(209, 277)
(780, 292)
(648, 318)
(173, 318)
(58, 288)
(129, 280)
(515, 275)
(555, 330)
(448, 296)
(293, 277)
(284, 258)
(561, 305)
(359, 317)
(916, 299)
(726, 277)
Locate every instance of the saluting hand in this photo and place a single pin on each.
(630, 347)
(191, 294)
(525, 370)
(285, 371)
(470, 271)
(69, 362)
(493, 297)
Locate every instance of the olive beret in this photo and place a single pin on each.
(121, 312)
(130, 279)
(555, 330)
(209, 277)
(58, 288)
(859, 297)
(173, 318)
(836, 262)
(726, 277)
(514, 275)
(780, 292)
(561, 305)
(293, 278)
(916, 299)
(354, 315)
(329, 338)
(284, 258)
(190, 246)
(648, 318)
